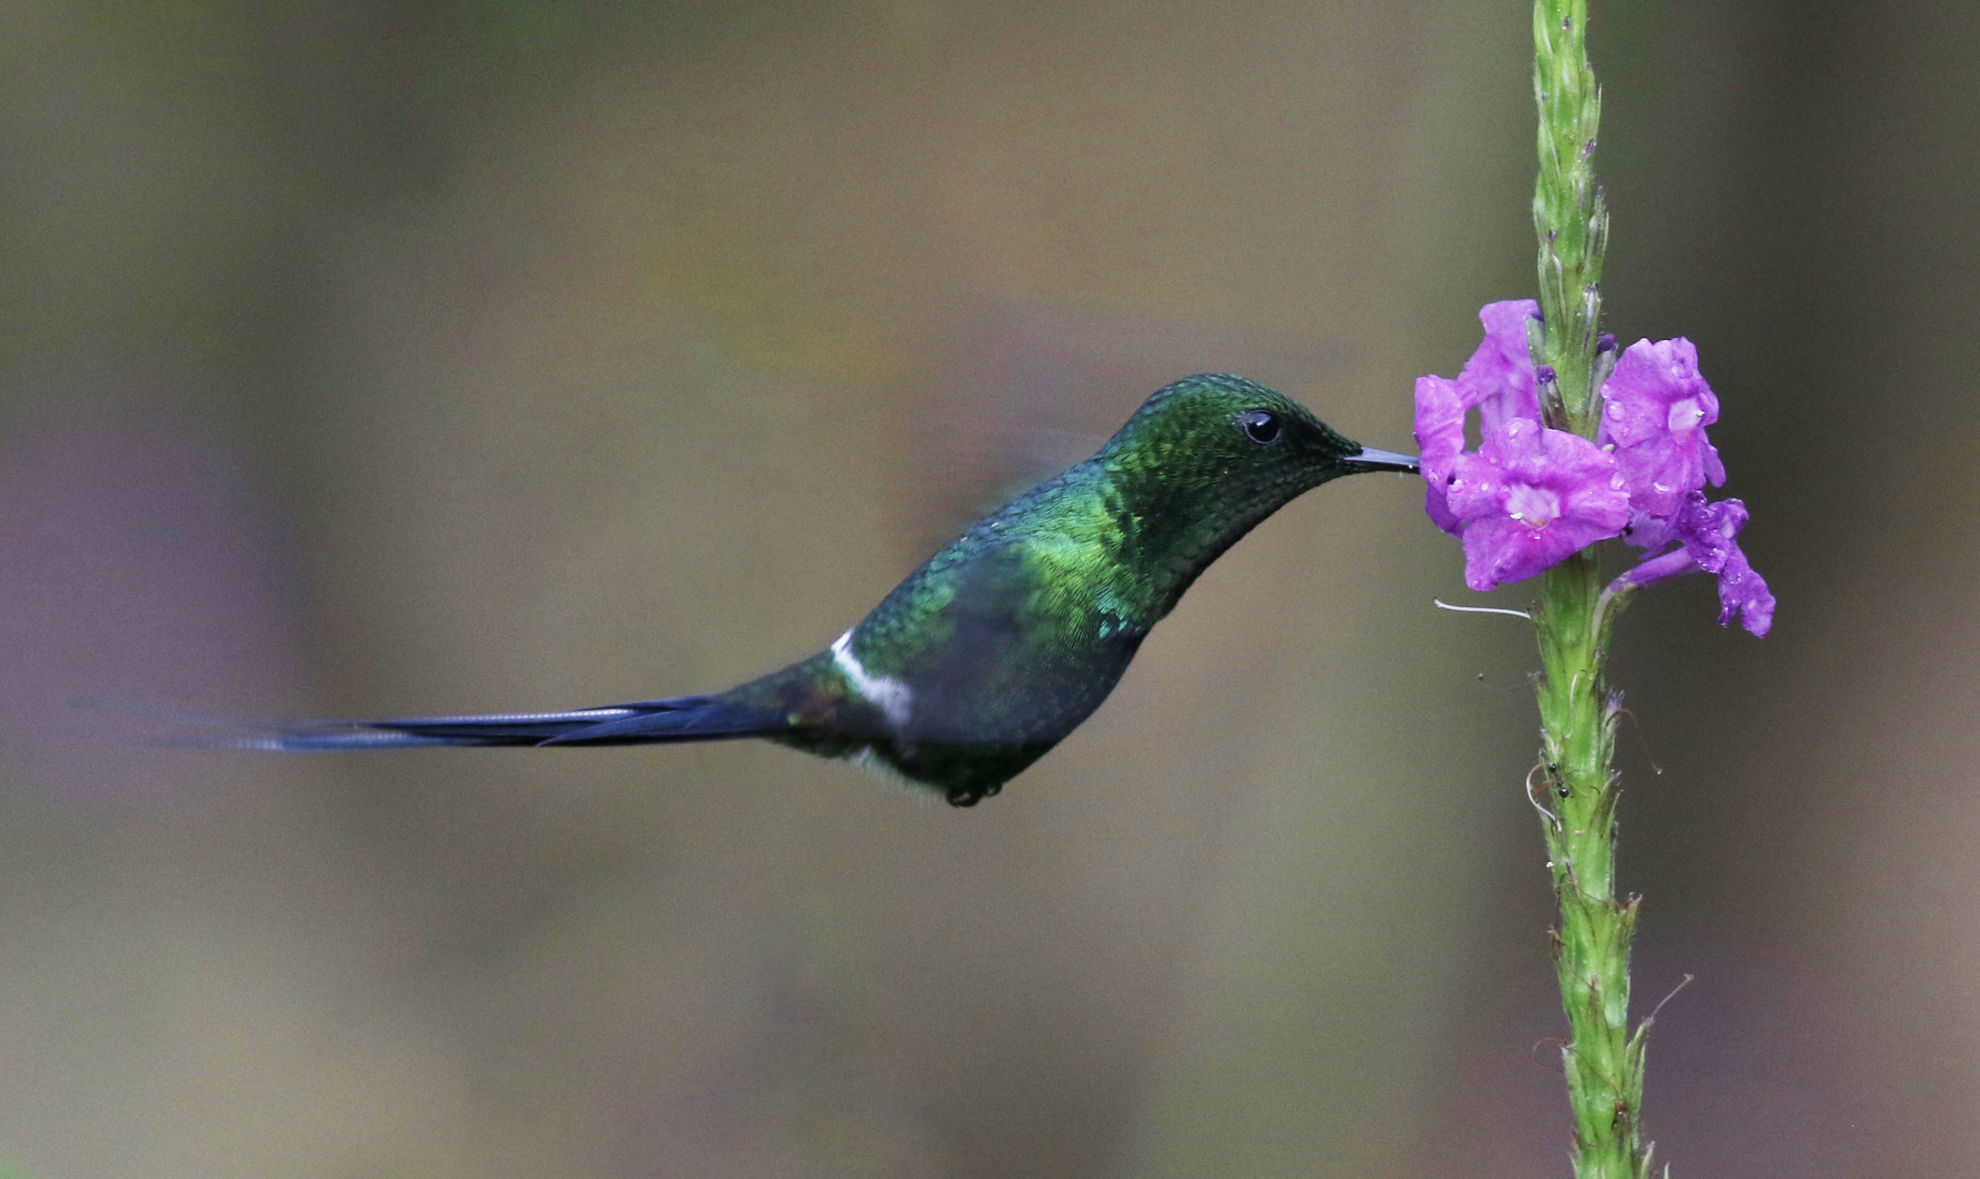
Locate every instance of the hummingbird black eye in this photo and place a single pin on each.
(1260, 425)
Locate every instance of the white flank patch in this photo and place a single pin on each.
(866, 759)
(890, 696)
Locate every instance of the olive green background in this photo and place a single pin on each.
(376, 357)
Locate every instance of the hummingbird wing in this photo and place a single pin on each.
(1006, 644)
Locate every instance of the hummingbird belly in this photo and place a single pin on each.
(964, 724)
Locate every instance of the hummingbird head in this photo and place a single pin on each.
(1235, 441)
(1204, 460)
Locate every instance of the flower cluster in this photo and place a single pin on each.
(1530, 496)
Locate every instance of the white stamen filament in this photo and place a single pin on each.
(1443, 605)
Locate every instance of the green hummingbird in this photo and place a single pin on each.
(1000, 644)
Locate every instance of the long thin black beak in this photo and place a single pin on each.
(1379, 460)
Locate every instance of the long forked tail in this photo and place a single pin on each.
(683, 718)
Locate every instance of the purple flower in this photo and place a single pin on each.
(1440, 411)
(1498, 378)
(1706, 533)
(1530, 498)
(1497, 381)
(1654, 417)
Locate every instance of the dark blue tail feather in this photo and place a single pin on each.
(682, 718)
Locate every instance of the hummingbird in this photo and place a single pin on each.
(1005, 640)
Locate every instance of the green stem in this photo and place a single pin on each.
(1602, 1059)
(1569, 214)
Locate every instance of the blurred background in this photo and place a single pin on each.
(380, 357)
